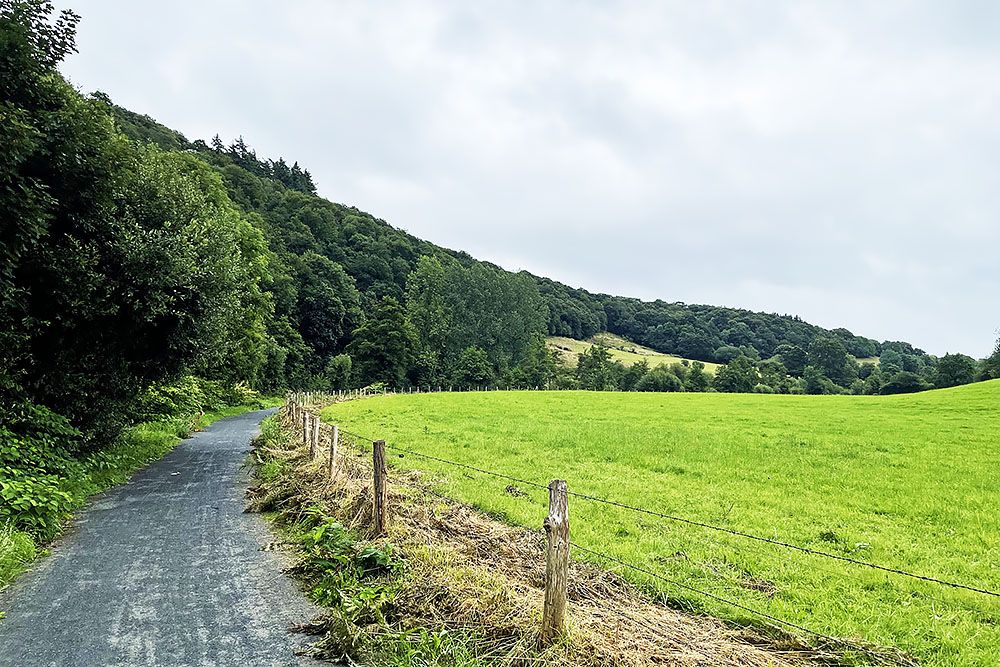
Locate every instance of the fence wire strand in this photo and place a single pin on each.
(713, 596)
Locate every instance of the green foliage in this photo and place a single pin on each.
(692, 331)
(815, 382)
(632, 375)
(773, 374)
(739, 376)
(538, 368)
(954, 370)
(192, 395)
(17, 550)
(385, 346)
(830, 356)
(34, 503)
(36, 455)
(125, 265)
(904, 382)
(596, 371)
(454, 307)
(420, 647)
(991, 366)
(793, 357)
(473, 369)
(660, 378)
(328, 305)
(338, 371)
(355, 579)
(697, 379)
(726, 353)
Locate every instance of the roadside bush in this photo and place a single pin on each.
(190, 395)
(356, 579)
(36, 454)
(34, 503)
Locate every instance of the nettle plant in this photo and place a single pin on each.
(36, 447)
(353, 577)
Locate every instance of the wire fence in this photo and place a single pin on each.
(722, 529)
(664, 517)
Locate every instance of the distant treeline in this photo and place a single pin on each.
(825, 368)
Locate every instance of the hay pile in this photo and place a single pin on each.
(467, 571)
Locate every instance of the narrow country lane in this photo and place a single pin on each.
(165, 570)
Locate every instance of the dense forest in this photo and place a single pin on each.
(133, 257)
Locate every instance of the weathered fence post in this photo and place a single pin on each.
(380, 507)
(314, 441)
(305, 427)
(334, 441)
(556, 563)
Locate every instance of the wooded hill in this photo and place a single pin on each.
(303, 228)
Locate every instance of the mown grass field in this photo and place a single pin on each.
(620, 349)
(904, 481)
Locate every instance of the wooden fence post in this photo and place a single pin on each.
(305, 427)
(314, 440)
(556, 563)
(334, 441)
(380, 507)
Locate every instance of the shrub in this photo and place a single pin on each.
(659, 379)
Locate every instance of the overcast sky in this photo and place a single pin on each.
(836, 160)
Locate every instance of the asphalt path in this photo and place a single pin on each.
(166, 570)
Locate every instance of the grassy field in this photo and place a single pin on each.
(905, 481)
(621, 349)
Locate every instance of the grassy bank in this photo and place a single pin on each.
(906, 481)
(138, 447)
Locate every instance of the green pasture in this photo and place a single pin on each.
(909, 482)
(620, 349)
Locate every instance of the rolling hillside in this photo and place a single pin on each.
(621, 349)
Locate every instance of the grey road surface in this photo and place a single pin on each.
(165, 570)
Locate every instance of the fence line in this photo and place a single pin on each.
(729, 531)
(553, 623)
